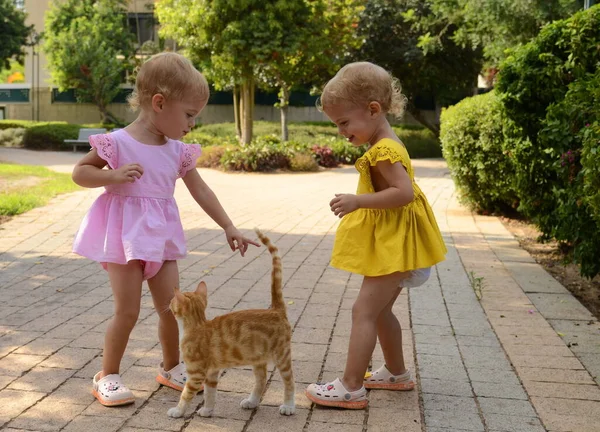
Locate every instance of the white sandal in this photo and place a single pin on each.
(174, 378)
(110, 390)
(334, 394)
(383, 379)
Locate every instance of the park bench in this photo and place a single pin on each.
(83, 138)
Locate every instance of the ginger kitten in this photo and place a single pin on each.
(249, 337)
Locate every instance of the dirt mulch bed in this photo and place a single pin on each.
(549, 256)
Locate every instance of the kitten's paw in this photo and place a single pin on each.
(249, 403)
(205, 412)
(175, 412)
(287, 409)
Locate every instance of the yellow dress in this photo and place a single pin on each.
(377, 242)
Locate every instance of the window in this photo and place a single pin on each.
(19, 4)
(141, 25)
(2, 113)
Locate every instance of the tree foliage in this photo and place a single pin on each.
(89, 46)
(229, 39)
(241, 43)
(392, 31)
(493, 25)
(14, 33)
(323, 36)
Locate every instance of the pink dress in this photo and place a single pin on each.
(140, 220)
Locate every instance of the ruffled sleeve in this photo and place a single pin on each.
(188, 155)
(384, 151)
(106, 148)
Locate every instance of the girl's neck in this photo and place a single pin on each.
(143, 129)
(384, 130)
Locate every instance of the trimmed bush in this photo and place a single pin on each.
(420, 142)
(211, 156)
(263, 154)
(346, 153)
(13, 124)
(324, 156)
(472, 142)
(198, 136)
(303, 162)
(50, 136)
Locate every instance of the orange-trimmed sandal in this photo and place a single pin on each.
(334, 394)
(383, 379)
(110, 390)
(174, 378)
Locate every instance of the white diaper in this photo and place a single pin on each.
(416, 278)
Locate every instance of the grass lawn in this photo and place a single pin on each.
(23, 187)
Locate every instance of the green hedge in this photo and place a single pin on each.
(14, 124)
(531, 80)
(571, 139)
(473, 145)
(50, 136)
(420, 142)
(549, 88)
(590, 161)
(536, 141)
(262, 154)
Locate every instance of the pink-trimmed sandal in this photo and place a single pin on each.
(110, 390)
(334, 394)
(383, 379)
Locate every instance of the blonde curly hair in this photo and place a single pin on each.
(171, 75)
(361, 83)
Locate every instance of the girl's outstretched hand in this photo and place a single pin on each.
(237, 241)
(127, 173)
(343, 204)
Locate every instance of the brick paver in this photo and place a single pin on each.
(498, 344)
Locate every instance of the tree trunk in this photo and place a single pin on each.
(106, 117)
(236, 112)
(420, 117)
(284, 102)
(252, 99)
(247, 108)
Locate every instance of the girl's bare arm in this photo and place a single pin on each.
(88, 172)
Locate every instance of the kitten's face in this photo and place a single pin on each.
(189, 303)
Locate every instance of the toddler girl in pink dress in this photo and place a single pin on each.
(133, 229)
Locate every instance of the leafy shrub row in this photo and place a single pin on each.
(536, 141)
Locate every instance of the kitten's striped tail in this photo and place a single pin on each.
(276, 274)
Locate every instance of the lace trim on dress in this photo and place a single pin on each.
(105, 147)
(188, 159)
(385, 153)
(376, 155)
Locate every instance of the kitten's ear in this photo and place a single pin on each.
(202, 289)
(178, 293)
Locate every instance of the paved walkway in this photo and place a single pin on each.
(497, 343)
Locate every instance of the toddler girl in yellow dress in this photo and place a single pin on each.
(388, 232)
